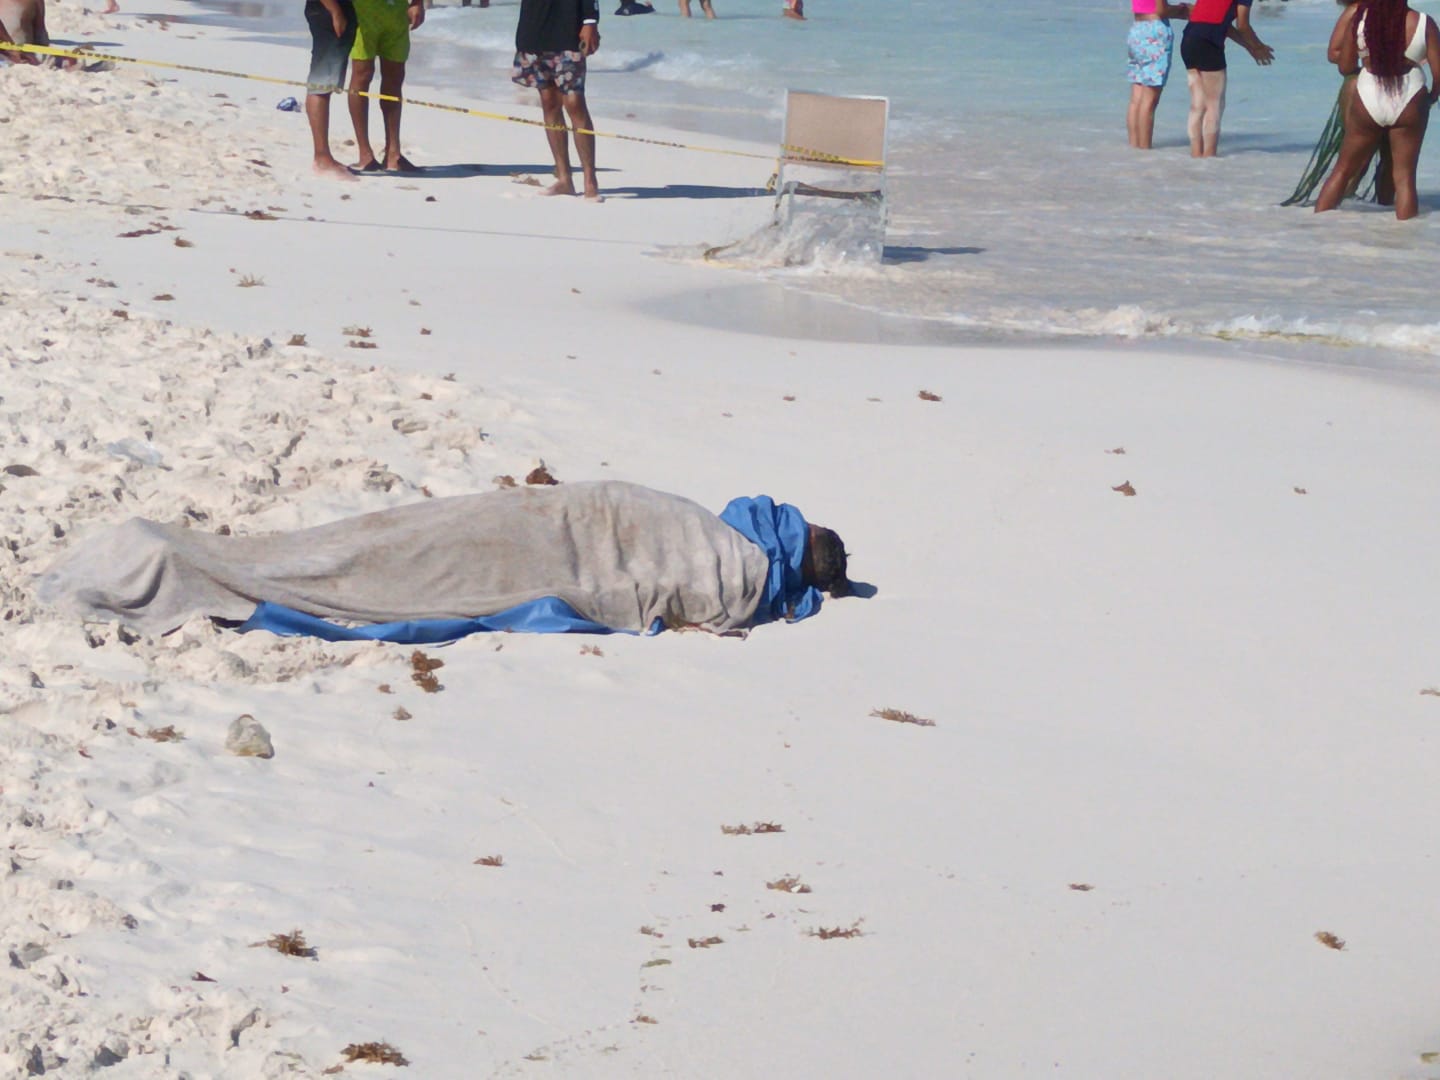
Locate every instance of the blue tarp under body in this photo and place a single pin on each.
(779, 530)
(548, 615)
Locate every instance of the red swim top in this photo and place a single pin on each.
(1214, 12)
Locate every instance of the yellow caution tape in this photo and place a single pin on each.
(791, 153)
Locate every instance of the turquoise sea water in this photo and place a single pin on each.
(1016, 206)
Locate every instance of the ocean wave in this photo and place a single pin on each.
(1132, 321)
(1370, 345)
(1365, 343)
(1420, 338)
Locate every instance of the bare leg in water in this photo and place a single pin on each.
(1207, 105)
(1406, 137)
(1140, 116)
(1385, 175)
(1362, 137)
(1384, 169)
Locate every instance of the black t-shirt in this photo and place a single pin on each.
(553, 25)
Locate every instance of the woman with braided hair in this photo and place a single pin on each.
(1374, 185)
(1384, 42)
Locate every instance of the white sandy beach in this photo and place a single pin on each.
(1176, 735)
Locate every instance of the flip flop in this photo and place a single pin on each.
(405, 165)
(372, 166)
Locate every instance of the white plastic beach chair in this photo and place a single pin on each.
(832, 165)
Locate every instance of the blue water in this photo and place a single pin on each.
(1015, 204)
(947, 65)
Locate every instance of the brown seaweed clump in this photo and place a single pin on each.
(380, 1053)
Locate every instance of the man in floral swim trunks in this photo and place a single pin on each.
(1151, 44)
(552, 41)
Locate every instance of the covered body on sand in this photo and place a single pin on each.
(619, 556)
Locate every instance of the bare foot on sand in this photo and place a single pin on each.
(333, 170)
(111, 7)
(567, 187)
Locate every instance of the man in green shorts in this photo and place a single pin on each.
(383, 33)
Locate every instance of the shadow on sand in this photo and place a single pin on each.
(686, 191)
(460, 170)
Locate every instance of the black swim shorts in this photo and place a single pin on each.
(1201, 49)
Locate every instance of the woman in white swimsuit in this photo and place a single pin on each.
(1384, 42)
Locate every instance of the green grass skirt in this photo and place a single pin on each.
(1322, 160)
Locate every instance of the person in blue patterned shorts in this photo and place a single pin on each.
(1152, 44)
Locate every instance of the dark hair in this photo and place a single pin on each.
(1385, 40)
(827, 560)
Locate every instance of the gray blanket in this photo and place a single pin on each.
(620, 554)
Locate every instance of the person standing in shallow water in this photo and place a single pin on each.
(1151, 45)
(1384, 172)
(552, 42)
(1384, 43)
(1202, 48)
